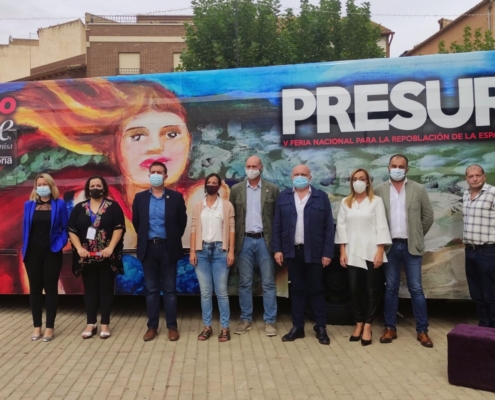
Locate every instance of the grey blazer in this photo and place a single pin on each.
(419, 213)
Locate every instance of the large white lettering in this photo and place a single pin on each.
(338, 110)
(290, 115)
(6, 125)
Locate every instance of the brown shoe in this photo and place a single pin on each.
(388, 335)
(150, 334)
(424, 339)
(173, 334)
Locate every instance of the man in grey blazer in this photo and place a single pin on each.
(409, 216)
(254, 203)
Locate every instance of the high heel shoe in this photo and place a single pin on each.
(34, 338)
(104, 335)
(87, 335)
(354, 338)
(365, 342)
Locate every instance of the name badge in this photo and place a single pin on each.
(91, 233)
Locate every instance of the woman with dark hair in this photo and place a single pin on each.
(44, 237)
(212, 254)
(96, 230)
(362, 231)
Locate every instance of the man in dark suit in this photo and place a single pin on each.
(303, 237)
(159, 218)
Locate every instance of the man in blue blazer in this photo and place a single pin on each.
(159, 218)
(303, 238)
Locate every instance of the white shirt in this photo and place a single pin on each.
(300, 204)
(212, 221)
(398, 215)
(254, 221)
(361, 228)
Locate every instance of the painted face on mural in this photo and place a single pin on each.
(154, 136)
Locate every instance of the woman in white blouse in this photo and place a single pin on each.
(362, 232)
(212, 254)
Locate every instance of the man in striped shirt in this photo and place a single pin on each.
(479, 239)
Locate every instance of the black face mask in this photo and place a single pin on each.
(211, 189)
(96, 193)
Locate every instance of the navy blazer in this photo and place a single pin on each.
(175, 222)
(58, 230)
(318, 226)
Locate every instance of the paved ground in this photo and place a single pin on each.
(251, 366)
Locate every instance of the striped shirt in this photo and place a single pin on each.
(254, 221)
(479, 216)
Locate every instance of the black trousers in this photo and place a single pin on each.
(43, 270)
(99, 290)
(366, 290)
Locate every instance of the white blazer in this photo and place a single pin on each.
(362, 228)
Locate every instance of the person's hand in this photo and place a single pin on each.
(230, 258)
(343, 259)
(193, 259)
(106, 252)
(279, 258)
(83, 253)
(378, 260)
(325, 261)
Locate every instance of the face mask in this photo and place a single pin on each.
(397, 174)
(95, 193)
(252, 173)
(43, 191)
(300, 182)
(212, 189)
(156, 180)
(359, 186)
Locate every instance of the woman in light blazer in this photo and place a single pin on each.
(362, 232)
(212, 254)
(44, 236)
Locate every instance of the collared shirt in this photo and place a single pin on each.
(212, 221)
(300, 204)
(398, 215)
(479, 216)
(156, 228)
(254, 221)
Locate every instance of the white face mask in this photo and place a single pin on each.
(252, 173)
(397, 174)
(359, 186)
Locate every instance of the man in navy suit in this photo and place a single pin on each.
(159, 218)
(303, 238)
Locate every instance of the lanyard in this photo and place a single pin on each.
(92, 215)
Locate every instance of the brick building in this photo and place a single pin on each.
(478, 17)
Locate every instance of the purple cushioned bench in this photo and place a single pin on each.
(471, 357)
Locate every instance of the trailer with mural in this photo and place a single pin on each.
(335, 117)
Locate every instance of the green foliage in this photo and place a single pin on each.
(479, 42)
(249, 33)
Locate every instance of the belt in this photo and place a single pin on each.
(299, 246)
(258, 235)
(398, 240)
(157, 240)
(479, 246)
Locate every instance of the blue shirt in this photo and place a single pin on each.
(254, 220)
(156, 227)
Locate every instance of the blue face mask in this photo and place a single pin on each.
(397, 174)
(43, 191)
(300, 182)
(156, 180)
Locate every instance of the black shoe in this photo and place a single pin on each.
(365, 342)
(354, 338)
(294, 333)
(322, 336)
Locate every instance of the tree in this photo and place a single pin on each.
(480, 42)
(248, 33)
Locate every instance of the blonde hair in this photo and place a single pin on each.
(369, 190)
(51, 183)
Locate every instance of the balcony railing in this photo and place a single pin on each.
(129, 71)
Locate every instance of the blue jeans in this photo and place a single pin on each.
(213, 274)
(160, 274)
(254, 252)
(480, 274)
(397, 256)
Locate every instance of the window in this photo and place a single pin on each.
(177, 61)
(129, 64)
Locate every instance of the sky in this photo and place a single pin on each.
(412, 20)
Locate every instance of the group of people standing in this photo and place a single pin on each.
(378, 231)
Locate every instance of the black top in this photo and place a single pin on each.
(39, 236)
(108, 219)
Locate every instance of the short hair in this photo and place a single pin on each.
(211, 176)
(401, 156)
(103, 181)
(477, 166)
(51, 183)
(158, 163)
